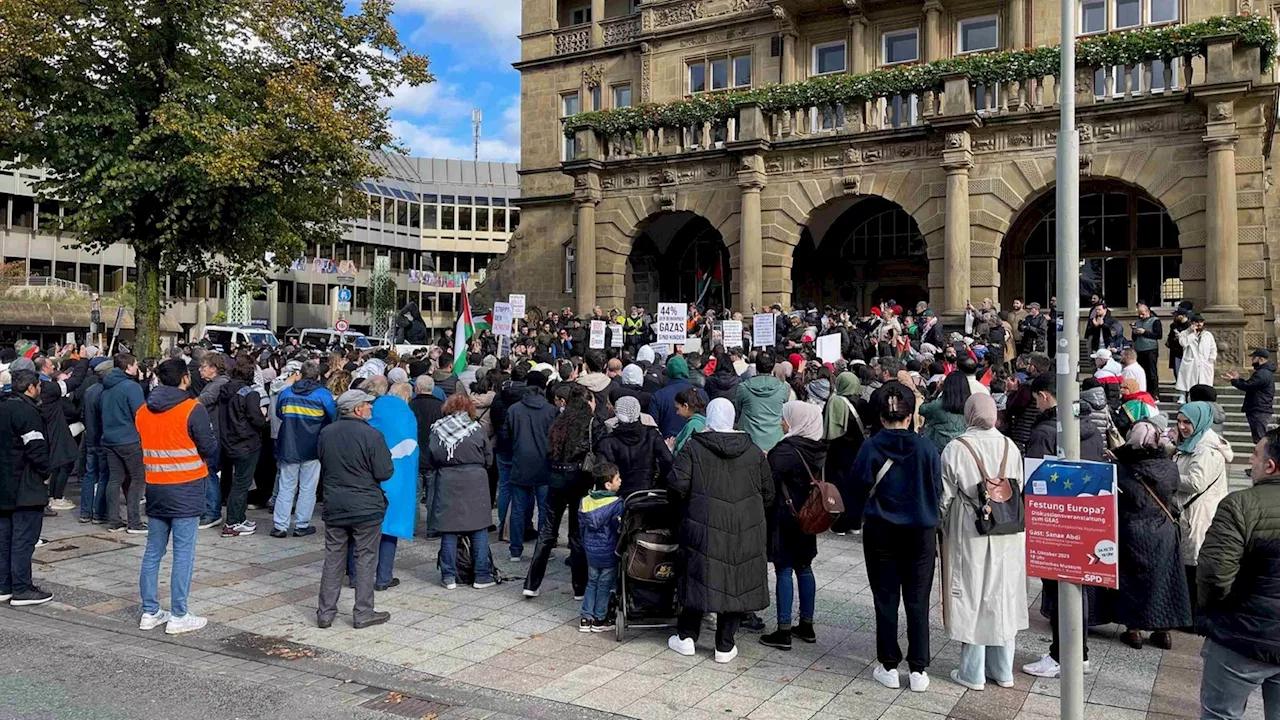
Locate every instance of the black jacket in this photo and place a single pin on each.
(427, 408)
(789, 546)
(1259, 390)
(722, 384)
(508, 397)
(91, 416)
(57, 432)
(1153, 585)
(242, 422)
(1035, 333)
(24, 454)
(182, 500)
(528, 424)
(1043, 441)
(354, 459)
(643, 459)
(724, 483)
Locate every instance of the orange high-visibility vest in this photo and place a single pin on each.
(168, 451)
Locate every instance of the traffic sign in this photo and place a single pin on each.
(341, 325)
(344, 299)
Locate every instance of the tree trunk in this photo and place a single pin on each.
(146, 308)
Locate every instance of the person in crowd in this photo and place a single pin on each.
(1147, 333)
(795, 462)
(944, 418)
(759, 402)
(95, 478)
(1034, 330)
(121, 400)
(1153, 590)
(24, 465)
(177, 443)
(573, 435)
(427, 409)
(457, 453)
(986, 574)
(1239, 589)
(1130, 369)
(600, 517)
(896, 495)
(596, 381)
(1209, 394)
(398, 426)
(724, 484)
(509, 395)
(723, 382)
(241, 427)
(304, 408)
(1094, 410)
(845, 430)
(1199, 355)
(63, 452)
(1137, 405)
(1202, 457)
(663, 404)
(1259, 392)
(1181, 321)
(354, 462)
(690, 405)
(632, 383)
(642, 458)
(528, 424)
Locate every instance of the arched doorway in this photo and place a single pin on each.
(679, 257)
(1129, 249)
(858, 252)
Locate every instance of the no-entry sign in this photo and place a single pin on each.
(341, 325)
(1072, 522)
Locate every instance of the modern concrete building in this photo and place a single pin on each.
(424, 214)
(944, 191)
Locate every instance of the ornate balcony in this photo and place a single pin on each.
(576, 38)
(621, 30)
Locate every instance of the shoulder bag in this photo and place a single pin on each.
(999, 506)
(821, 509)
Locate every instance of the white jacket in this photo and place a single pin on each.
(1203, 470)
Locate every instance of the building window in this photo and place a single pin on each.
(304, 293)
(318, 294)
(284, 291)
(697, 77)
(429, 217)
(446, 217)
(570, 267)
(402, 213)
(978, 34)
(362, 297)
(482, 219)
(24, 212)
(580, 15)
(569, 106)
(829, 57)
(464, 217)
(596, 102)
(622, 96)
(1098, 16)
(633, 6)
(1163, 11)
(901, 46)
(499, 220)
(415, 215)
(65, 271)
(1128, 13)
(742, 71)
(725, 72)
(1093, 16)
(89, 276)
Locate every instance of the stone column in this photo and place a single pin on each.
(585, 256)
(932, 40)
(858, 44)
(957, 158)
(789, 67)
(1017, 24)
(1222, 251)
(751, 179)
(597, 34)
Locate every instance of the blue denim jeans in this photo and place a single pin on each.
(522, 499)
(786, 590)
(979, 662)
(213, 491)
(479, 555)
(600, 582)
(300, 479)
(159, 530)
(386, 561)
(1230, 678)
(93, 485)
(504, 488)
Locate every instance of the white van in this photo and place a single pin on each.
(325, 338)
(224, 336)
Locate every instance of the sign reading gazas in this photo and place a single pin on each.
(670, 327)
(1072, 522)
(502, 314)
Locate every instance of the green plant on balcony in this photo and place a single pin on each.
(1115, 49)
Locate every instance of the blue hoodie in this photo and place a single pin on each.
(304, 408)
(121, 400)
(910, 491)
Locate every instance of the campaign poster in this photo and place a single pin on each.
(671, 323)
(1073, 530)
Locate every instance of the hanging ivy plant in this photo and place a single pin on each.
(1124, 48)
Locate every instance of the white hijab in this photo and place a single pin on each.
(720, 416)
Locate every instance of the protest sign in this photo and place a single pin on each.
(670, 327)
(763, 330)
(597, 335)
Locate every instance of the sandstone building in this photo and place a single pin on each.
(858, 200)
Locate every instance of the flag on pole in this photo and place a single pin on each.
(462, 335)
(484, 323)
(707, 280)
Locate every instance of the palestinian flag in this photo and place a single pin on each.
(462, 333)
(708, 280)
(484, 323)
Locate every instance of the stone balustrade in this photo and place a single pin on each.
(621, 30)
(576, 38)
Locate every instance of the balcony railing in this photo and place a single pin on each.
(573, 39)
(621, 30)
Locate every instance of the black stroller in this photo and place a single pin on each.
(647, 549)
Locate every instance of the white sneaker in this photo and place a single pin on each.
(451, 586)
(1088, 669)
(887, 678)
(955, 678)
(1045, 667)
(516, 559)
(682, 646)
(185, 624)
(5, 597)
(62, 504)
(249, 524)
(724, 657)
(483, 585)
(578, 598)
(919, 681)
(532, 593)
(1001, 683)
(151, 621)
(245, 528)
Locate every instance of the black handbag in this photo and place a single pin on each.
(999, 507)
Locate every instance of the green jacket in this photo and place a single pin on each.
(1239, 573)
(940, 426)
(759, 406)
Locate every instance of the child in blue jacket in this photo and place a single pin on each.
(600, 517)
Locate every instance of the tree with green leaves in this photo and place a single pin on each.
(208, 135)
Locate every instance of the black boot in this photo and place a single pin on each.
(804, 631)
(780, 639)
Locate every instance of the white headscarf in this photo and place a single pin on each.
(645, 354)
(633, 375)
(803, 420)
(720, 415)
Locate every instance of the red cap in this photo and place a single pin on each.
(875, 311)
(897, 309)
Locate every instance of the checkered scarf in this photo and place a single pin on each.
(452, 430)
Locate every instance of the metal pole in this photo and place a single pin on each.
(1070, 601)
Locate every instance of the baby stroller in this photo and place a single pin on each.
(647, 550)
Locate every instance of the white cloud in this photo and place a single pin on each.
(438, 100)
(431, 140)
(459, 22)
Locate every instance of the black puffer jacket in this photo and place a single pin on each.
(1153, 584)
(62, 446)
(643, 459)
(242, 420)
(354, 460)
(722, 384)
(726, 486)
(24, 454)
(511, 393)
(789, 546)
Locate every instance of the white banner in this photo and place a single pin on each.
(615, 337)
(732, 333)
(763, 330)
(502, 318)
(829, 348)
(597, 335)
(517, 306)
(671, 323)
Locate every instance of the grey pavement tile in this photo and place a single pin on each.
(651, 708)
(852, 707)
(899, 712)
(771, 710)
(802, 697)
(624, 690)
(729, 703)
(822, 680)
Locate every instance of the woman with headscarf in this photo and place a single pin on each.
(689, 405)
(643, 459)
(723, 382)
(1153, 589)
(795, 462)
(1202, 458)
(631, 385)
(845, 429)
(944, 417)
(457, 454)
(724, 484)
(985, 580)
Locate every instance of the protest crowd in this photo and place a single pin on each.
(910, 426)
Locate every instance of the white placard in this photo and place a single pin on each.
(502, 313)
(517, 306)
(597, 335)
(615, 334)
(763, 330)
(732, 333)
(671, 323)
(829, 348)
(691, 345)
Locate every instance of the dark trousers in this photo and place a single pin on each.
(1148, 361)
(386, 562)
(364, 538)
(127, 475)
(1051, 586)
(264, 475)
(19, 531)
(689, 624)
(1258, 423)
(558, 500)
(242, 469)
(1192, 588)
(900, 562)
(58, 480)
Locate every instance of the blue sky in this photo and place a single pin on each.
(471, 44)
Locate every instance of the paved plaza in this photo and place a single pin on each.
(491, 653)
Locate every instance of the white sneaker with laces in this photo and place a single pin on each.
(483, 585)
(1001, 683)
(1088, 669)
(185, 624)
(1045, 667)
(245, 528)
(724, 657)
(151, 621)
(62, 504)
(955, 678)
(887, 678)
(919, 681)
(531, 593)
(683, 646)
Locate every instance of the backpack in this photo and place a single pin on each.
(466, 565)
(821, 509)
(999, 507)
